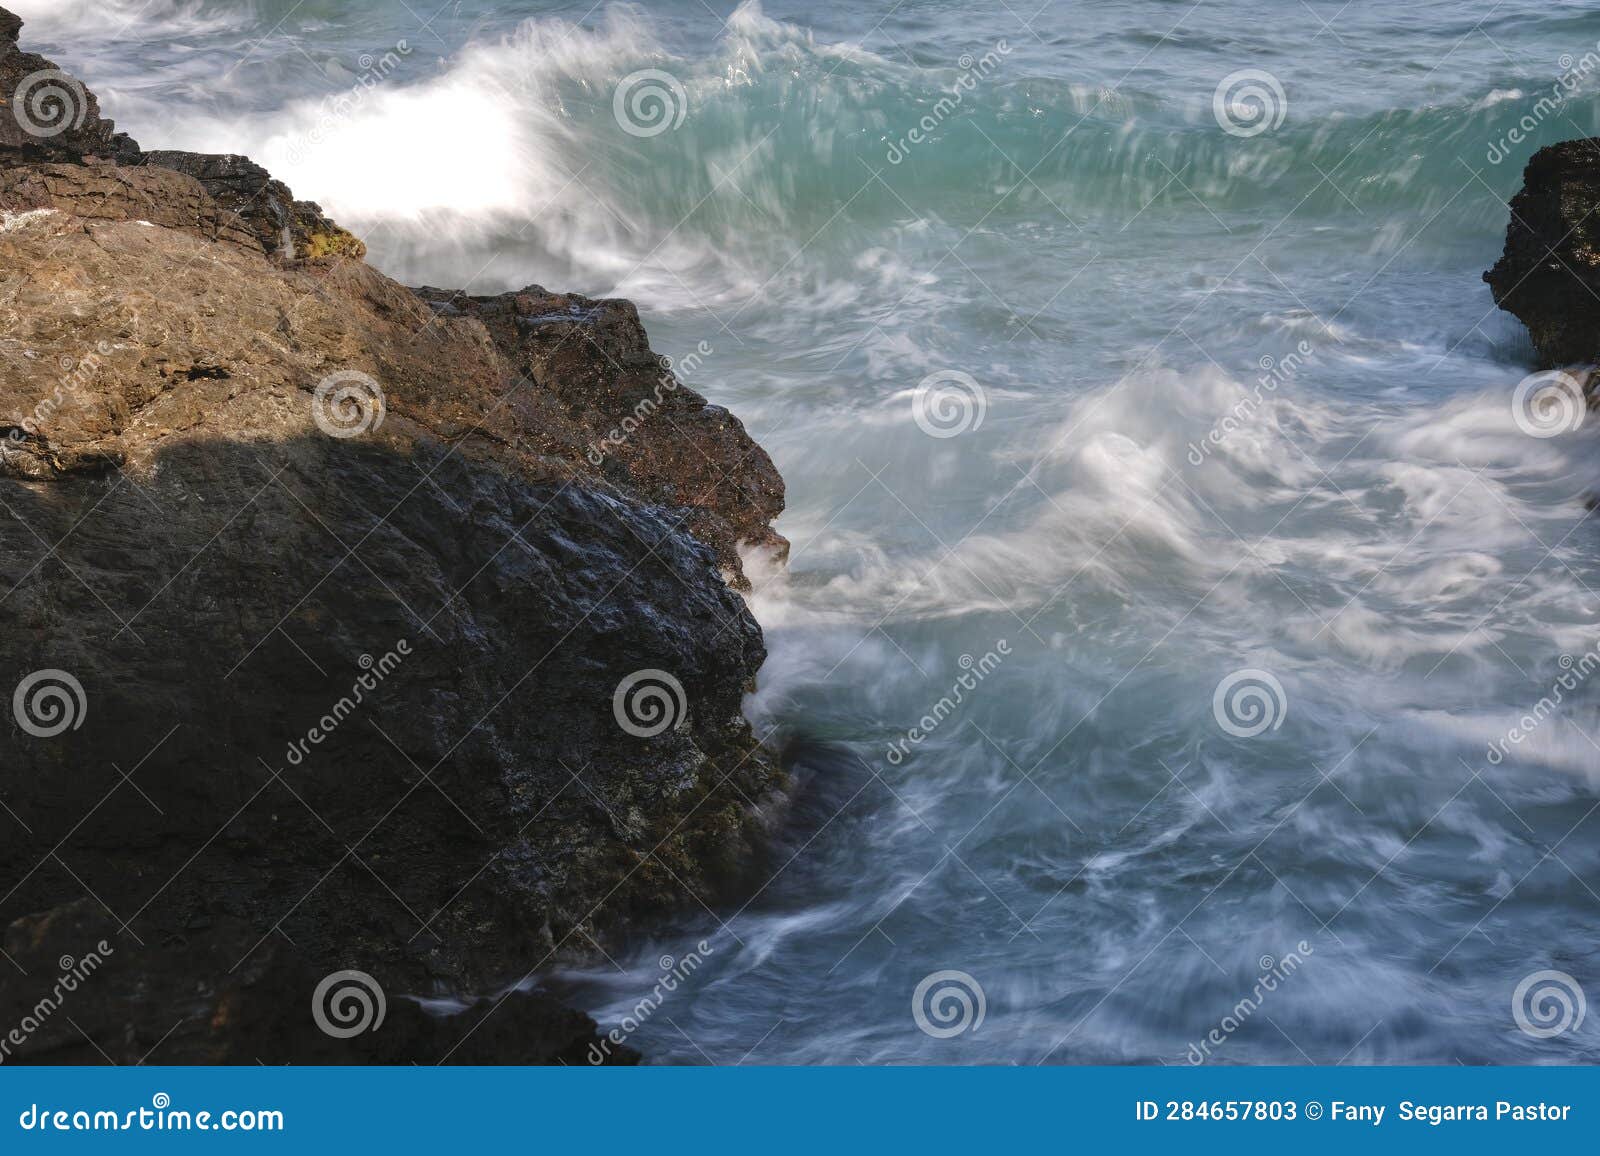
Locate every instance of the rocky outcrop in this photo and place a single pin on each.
(281, 224)
(592, 359)
(113, 193)
(348, 627)
(47, 114)
(1549, 275)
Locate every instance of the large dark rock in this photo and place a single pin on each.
(337, 593)
(76, 974)
(46, 114)
(1549, 275)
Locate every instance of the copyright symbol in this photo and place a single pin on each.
(1313, 1110)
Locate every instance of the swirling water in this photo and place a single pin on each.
(1231, 403)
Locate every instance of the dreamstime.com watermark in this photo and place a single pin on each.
(48, 103)
(1549, 403)
(1573, 73)
(672, 378)
(649, 702)
(376, 671)
(347, 1004)
(947, 1004)
(674, 973)
(160, 1116)
(1575, 672)
(1249, 702)
(975, 671)
(1547, 1004)
(1275, 371)
(1273, 973)
(342, 106)
(1249, 102)
(947, 403)
(348, 403)
(973, 72)
(73, 973)
(49, 702)
(649, 102)
(77, 374)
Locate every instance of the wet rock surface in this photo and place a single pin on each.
(1549, 275)
(318, 594)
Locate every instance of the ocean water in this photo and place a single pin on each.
(1174, 585)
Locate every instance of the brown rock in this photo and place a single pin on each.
(235, 484)
(289, 228)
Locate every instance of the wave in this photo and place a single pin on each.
(519, 151)
(59, 20)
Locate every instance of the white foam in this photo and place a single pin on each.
(116, 19)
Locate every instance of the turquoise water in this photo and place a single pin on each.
(1245, 406)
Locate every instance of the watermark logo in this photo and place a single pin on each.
(974, 70)
(674, 974)
(348, 1003)
(160, 1116)
(77, 375)
(1548, 404)
(948, 403)
(974, 671)
(1548, 1004)
(1249, 102)
(374, 672)
(667, 382)
(1275, 372)
(1248, 702)
(648, 702)
(74, 972)
(347, 404)
(342, 106)
(948, 1003)
(1570, 83)
(1273, 972)
(1574, 672)
(649, 102)
(48, 703)
(48, 103)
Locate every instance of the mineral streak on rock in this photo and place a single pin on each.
(347, 701)
(1549, 275)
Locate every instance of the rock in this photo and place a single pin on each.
(114, 193)
(46, 114)
(592, 357)
(71, 986)
(1549, 275)
(283, 225)
(52, 117)
(340, 608)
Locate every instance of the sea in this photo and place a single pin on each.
(1187, 651)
